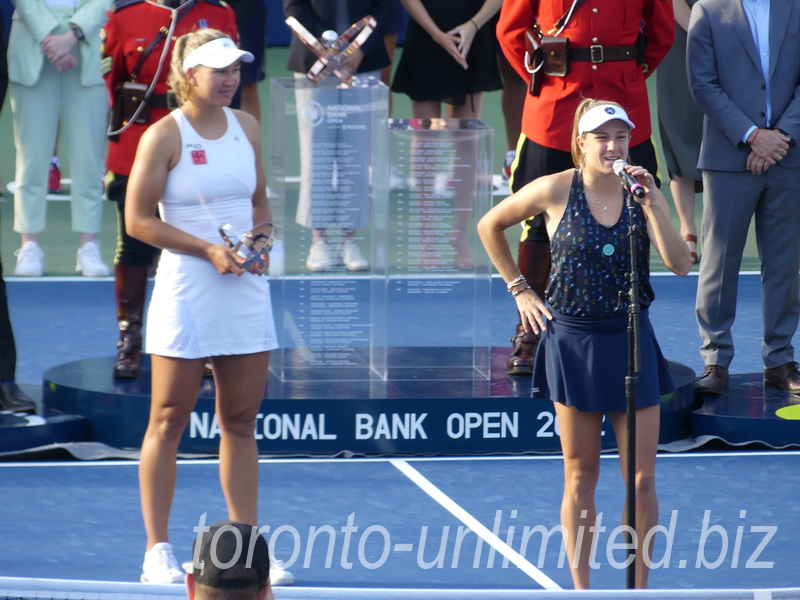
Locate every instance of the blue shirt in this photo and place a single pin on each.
(757, 12)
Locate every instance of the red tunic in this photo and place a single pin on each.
(130, 27)
(547, 118)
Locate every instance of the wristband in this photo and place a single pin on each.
(476, 25)
(515, 282)
(750, 143)
(516, 293)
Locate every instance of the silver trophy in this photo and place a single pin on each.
(332, 51)
(250, 246)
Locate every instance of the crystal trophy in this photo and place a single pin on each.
(332, 51)
(251, 245)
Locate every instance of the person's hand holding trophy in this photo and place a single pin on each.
(252, 247)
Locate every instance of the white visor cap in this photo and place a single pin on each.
(600, 115)
(216, 54)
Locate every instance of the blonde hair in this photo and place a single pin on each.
(183, 47)
(588, 104)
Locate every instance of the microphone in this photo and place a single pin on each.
(633, 186)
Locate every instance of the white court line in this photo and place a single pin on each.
(459, 513)
(696, 273)
(57, 279)
(358, 460)
(69, 278)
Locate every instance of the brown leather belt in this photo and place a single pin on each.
(166, 101)
(600, 54)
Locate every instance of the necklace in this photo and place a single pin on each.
(605, 208)
(585, 191)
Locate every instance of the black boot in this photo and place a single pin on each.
(520, 361)
(130, 288)
(534, 264)
(13, 398)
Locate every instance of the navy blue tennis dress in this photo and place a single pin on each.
(582, 356)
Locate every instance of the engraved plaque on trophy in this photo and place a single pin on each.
(440, 186)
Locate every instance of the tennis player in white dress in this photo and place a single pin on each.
(201, 166)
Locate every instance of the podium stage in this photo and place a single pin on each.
(408, 416)
(83, 403)
(750, 412)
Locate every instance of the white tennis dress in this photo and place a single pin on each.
(195, 312)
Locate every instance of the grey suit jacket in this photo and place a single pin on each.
(726, 81)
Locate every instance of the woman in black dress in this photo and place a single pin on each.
(448, 57)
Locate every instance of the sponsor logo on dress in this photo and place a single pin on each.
(199, 157)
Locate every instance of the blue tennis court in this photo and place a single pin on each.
(730, 521)
(387, 525)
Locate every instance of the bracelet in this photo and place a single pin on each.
(516, 293)
(515, 282)
(754, 138)
(476, 25)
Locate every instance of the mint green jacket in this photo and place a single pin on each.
(33, 21)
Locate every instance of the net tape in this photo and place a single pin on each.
(15, 588)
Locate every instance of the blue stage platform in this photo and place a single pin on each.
(361, 417)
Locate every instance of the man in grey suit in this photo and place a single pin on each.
(743, 61)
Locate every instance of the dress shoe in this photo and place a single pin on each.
(520, 361)
(786, 378)
(714, 380)
(129, 352)
(13, 398)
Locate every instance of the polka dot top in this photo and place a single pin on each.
(590, 261)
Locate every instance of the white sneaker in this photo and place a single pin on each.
(278, 575)
(30, 260)
(352, 257)
(510, 156)
(90, 264)
(160, 565)
(319, 258)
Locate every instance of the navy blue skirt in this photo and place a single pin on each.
(583, 362)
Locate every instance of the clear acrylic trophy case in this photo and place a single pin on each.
(439, 273)
(425, 289)
(328, 178)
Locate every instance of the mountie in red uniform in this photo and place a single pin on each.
(131, 25)
(606, 61)
(547, 118)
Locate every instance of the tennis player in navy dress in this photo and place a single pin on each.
(581, 361)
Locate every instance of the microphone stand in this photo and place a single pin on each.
(631, 387)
